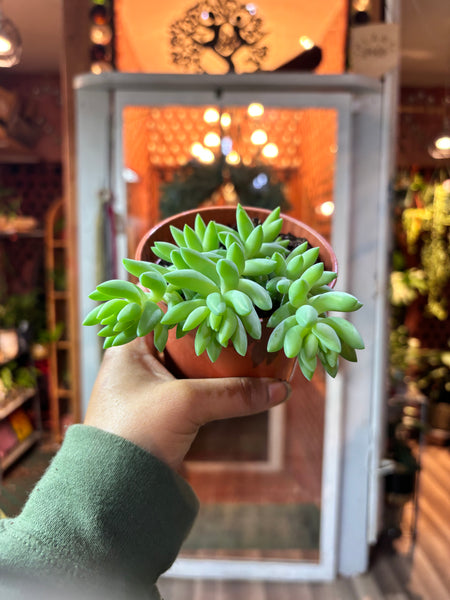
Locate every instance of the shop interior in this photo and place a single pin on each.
(171, 164)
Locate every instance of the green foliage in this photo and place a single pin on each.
(217, 281)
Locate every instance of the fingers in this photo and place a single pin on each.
(213, 399)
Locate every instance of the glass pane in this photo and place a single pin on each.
(259, 479)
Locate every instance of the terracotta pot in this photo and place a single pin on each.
(180, 354)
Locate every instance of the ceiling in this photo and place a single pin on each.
(425, 35)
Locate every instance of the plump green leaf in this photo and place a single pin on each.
(327, 336)
(253, 243)
(240, 339)
(229, 275)
(163, 250)
(117, 288)
(201, 263)
(306, 315)
(298, 292)
(177, 259)
(346, 331)
(202, 338)
(236, 255)
(258, 266)
(155, 282)
(300, 249)
(192, 239)
(252, 324)
(272, 230)
(178, 236)
(312, 274)
(216, 303)
(131, 312)
(227, 328)
(310, 257)
(310, 346)
(137, 267)
(197, 316)
(91, 318)
(335, 301)
(151, 316)
(106, 331)
(213, 349)
(244, 223)
(259, 295)
(215, 321)
(192, 280)
(238, 301)
(199, 226)
(98, 296)
(210, 239)
(276, 340)
(161, 333)
(282, 312)
(112, 307)
(293, 341)
(179, 312)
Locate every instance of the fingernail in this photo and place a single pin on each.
(279, 391)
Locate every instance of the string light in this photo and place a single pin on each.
(211, 115)
(270, 150)
(211, 139)
(306, 43)
(258, 137)
(255, 110)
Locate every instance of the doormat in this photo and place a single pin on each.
(256, 526)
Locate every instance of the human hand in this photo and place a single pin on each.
(136, 397)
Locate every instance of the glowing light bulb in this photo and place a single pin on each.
(226, 145)
(211, 115)
(255, 109)
(196, 149)
(207, 156)
(233, 158)
(326, 208)
(225, 120)
(443, 143)
(211, 139)
(101, 34)
(259, 137)
(5, 45)
(270, 150)
(306, 43)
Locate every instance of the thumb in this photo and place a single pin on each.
(235, 397)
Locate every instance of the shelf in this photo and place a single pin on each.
(60, 295)
(16, 402)
(64, 393)
(18, 450)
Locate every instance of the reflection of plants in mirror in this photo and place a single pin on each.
(218, 281)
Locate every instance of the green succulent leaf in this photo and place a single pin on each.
(252, 324)
(131, 312)
(210, 239)
(228, 273)
(257, 293)
(98, 296)
(200, 227)
(306, 315)
(150, 318)
(213, 349)
(137, 267)
(106, 331)
(216, 303)
(298, 292)
(192, 280)
(335, 301)
(155, 282)
(227, 328)
(346, 331)
(327, 336)
(215, 321)
(348, 352)
(312, 274)
(180, 312)
(178, 260)
(276, 339)
(258, 266)
(202, 338)
(236, 255)
(310, 257)
(112, 307)
(178, 236)
(310, 346)
(239, 302)
(282, 312)
(293, 341)
(244, 223)
(254, 241)
(161, 333)
(240, 338)
(117, 288)
(201, 263)
(192, 239)
(295, 267)
(125, 337)
(92, 317)
(163, 250)
(272, 230)
(197, 316)
(300, 249)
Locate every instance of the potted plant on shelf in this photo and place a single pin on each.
(231, 284)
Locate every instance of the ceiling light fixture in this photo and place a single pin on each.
(10, 42)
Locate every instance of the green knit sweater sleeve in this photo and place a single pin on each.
(105, 513)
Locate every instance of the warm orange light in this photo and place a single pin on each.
(306, 43)
(233, 158)
(225, 120)
(259, 137)
(211, 115)
(255, 110)
(196, 149)
(207, 156)
(443, 143)
(326, 208)
(5, 45)
(211, 139)
(270, 150)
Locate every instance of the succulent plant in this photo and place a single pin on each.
(218, 281)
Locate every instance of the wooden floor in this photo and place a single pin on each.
(398, 571)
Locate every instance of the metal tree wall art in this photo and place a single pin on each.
(215, 36)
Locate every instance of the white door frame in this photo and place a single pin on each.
(360, 200)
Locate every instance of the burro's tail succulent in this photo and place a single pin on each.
(217, 281)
